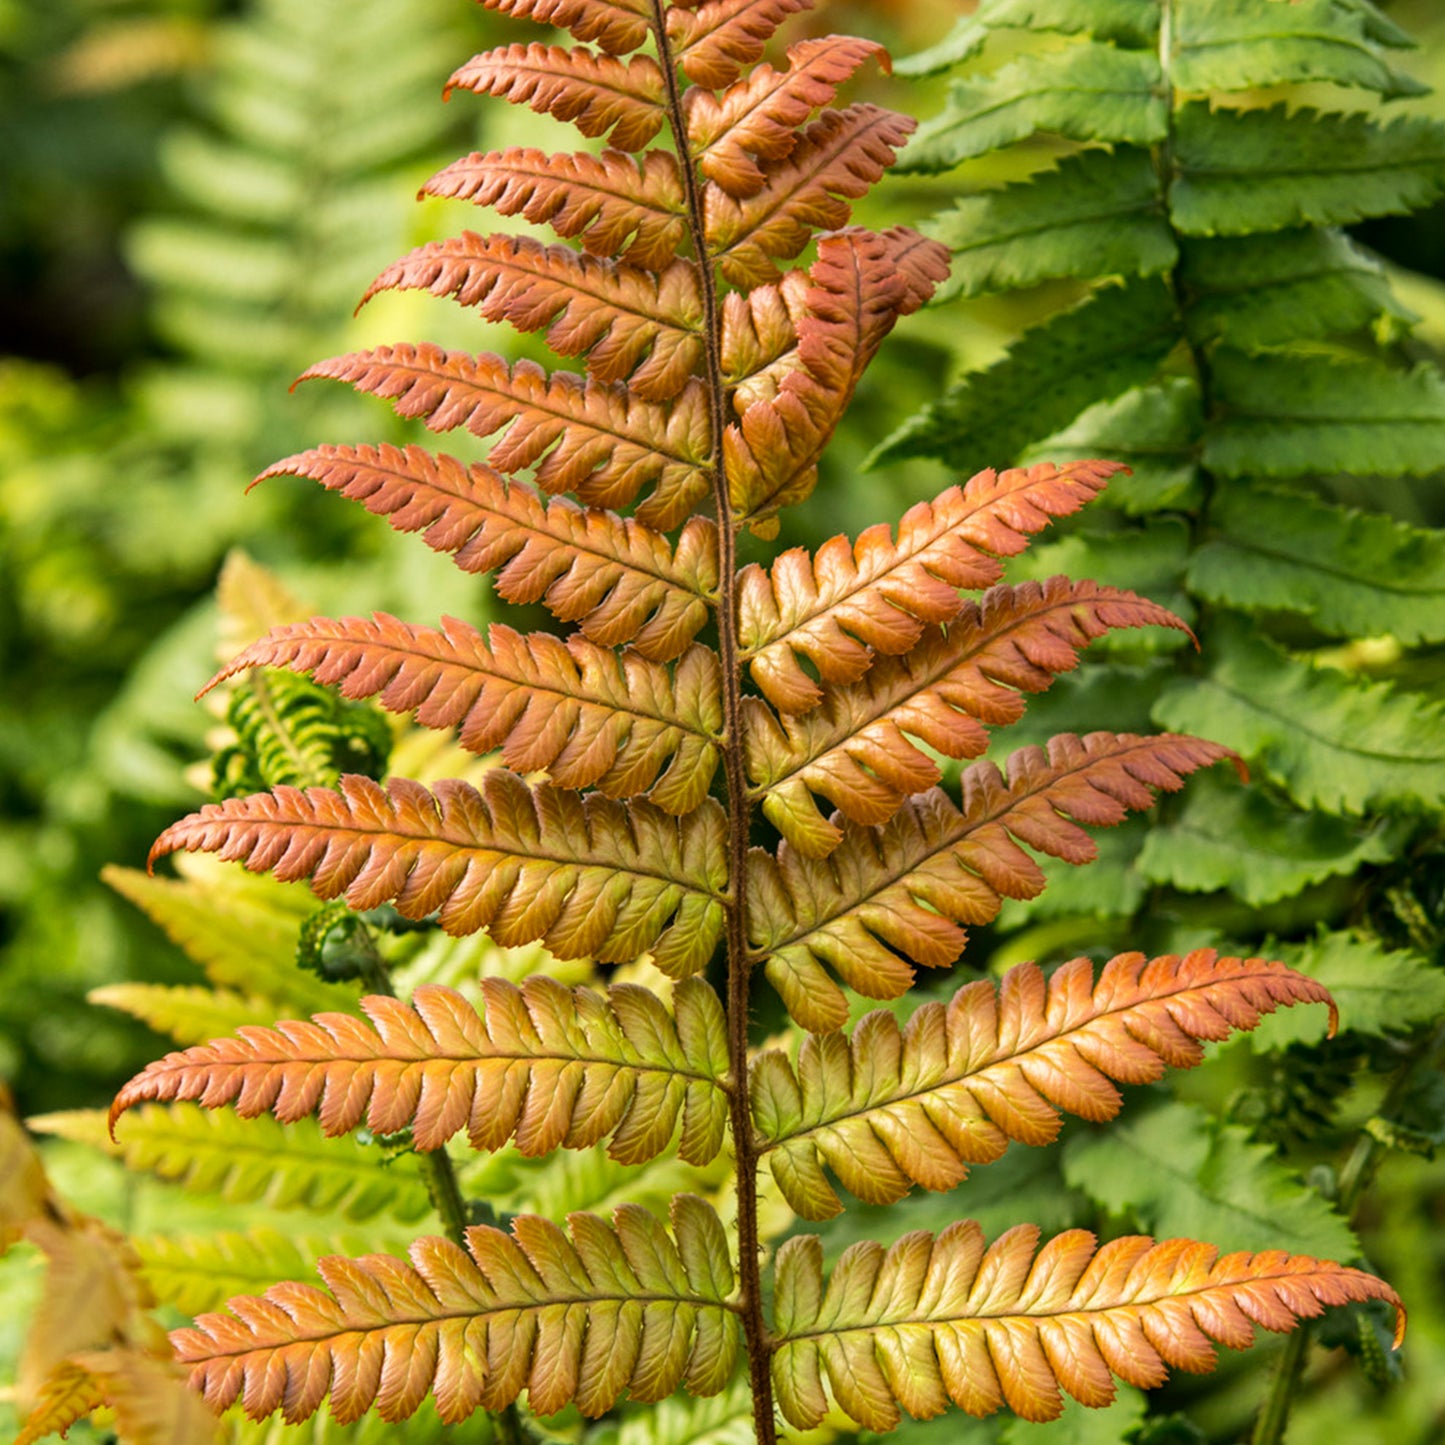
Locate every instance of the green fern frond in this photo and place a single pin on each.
(256, 1161)
(188, 1013)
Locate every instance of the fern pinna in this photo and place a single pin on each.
(640, 757)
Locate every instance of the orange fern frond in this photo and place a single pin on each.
(888, 1108)
(905, 892)
(552, 1067)
(715, 40)
(580, 712)
(631, 324)
(613, 205)
(596, 93)
(760, 118)
(856, 291)
(590, 877)
(930, 1321)
(760, 338)
(617, 26)
(585, 437)
(838, 158)
(846, 604)
(625, 1306)
(620, 581)
(855, 750)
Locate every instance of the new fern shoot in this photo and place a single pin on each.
(731, 771)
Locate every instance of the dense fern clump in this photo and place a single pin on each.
(1184, 171)
(658, 797)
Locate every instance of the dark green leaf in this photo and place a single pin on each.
(1111, 342)
(1298, 415)
(1351, 573)
(1087, 92)
(1226, 835)
(1180, 1173)
(1331, 741)
(1098, 213)
(1257, 291)
(1241, 44)
(1262, 170)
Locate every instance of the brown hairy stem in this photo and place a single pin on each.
(739, 802)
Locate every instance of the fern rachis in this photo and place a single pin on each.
(713, 380)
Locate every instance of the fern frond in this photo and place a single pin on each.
(614, 1307)
(1332, 741)
(241, 931)
(931, 1321)
(151, 1405)
(1176, 1167)
(900, 895)
(1257, 846)
(189, 1013)
(582, 436)
(855, 750)
(759, 118)
(1086, 92)
(631, 324)
(69, 1394)
(616, 26)
(715, 39)
(1293, 416)
(1354, 574)
(1241, 45)
(254, 1161)
(581, 712)
(1109, 343)
(861, 283)
(759, 342)
(551, 1066)
(1097, 213)
(1252, 292)
(1241, 171)
(837, 158)
(596, 93)
(200, 1272)
(618, 580)
(590, 877)
(888, 1108)
(846, 603)
(614, 205)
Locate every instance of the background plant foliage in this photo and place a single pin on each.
(191, 195)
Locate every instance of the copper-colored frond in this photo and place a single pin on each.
(907, 891)
(632, 325)
(582, 713)
(855, 292)
(855, 749)
(595, 92)
(579, 1317)
(931, 1321)
(589, 877)
(617, 26)
(890, 1107)
(616, 206)
(715, 40)
(622, 582)
(838, 158)
(760, 337)
(847, 603)
(596, 440)
(760, 118)
(552, 1067)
